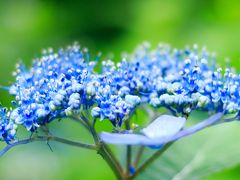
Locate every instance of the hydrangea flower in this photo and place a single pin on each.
(64, 84)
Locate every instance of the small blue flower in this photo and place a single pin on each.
(132, 100)
(95, 112)
(7, 127)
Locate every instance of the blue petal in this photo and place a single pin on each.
(131, 139)
(156, 146)
(157, 133)
(164, 126)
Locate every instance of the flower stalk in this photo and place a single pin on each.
(47, 139)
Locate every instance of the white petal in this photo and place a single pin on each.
(164, 126)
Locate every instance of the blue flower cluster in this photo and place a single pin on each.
(52, 88)
(65, 83)
(7, 126)
(179, 80)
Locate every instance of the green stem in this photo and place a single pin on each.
(129, 155)
(151, 160)
(80, 121)
(72, 143)
(139, 155)
(114, 159)
(129, 152)
(48, 138)
(91, 128)
(104, 150)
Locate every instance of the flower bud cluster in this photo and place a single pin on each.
(64, 84)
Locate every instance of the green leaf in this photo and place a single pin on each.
(197, 156)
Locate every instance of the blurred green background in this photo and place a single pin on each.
(26, 27)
